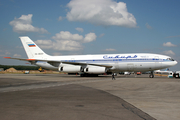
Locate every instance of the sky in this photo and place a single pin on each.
(78, 27)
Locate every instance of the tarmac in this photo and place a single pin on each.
(71, 97)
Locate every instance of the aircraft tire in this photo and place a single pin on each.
(151, 76)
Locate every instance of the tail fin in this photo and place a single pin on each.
(32, 50)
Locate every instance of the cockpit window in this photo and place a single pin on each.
(170, 59)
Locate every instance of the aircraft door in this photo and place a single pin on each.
(157, 62)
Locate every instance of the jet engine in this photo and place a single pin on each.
(95, 70)
(70, 69)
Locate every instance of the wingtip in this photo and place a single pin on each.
(7, 57)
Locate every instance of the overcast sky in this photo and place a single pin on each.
(65, 27)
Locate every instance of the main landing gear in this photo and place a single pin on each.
(151, 75)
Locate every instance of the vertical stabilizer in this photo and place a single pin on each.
(32, 50)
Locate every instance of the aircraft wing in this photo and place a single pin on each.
(79, 63)
(55, 61)
(23, 59)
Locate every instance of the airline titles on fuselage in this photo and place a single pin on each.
(118, 56)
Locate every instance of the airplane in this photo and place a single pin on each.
(127, 73)
(95, 64)
(163, 72)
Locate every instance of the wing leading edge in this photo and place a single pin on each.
(23, 59)
(55, 61)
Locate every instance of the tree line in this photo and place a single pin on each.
(19, 67)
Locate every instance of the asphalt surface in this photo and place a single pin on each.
(53, 96)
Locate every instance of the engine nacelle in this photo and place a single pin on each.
(95, 70)
(70, 69)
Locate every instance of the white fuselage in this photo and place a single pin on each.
(119, 62)
(95, 64)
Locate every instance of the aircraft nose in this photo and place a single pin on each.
(170, 64)
(175, 62)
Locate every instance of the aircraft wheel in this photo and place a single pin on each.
(151, 76)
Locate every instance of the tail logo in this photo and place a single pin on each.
(31, 45)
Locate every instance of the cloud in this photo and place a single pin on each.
(80, 29)
(7, 53)
(4, 53)
(90, 37)
(60, 18)
(23, 24)
(110, 49)
(148, 26)
(66, 41)
(17, 55)
(169, 52)
(67, 45)
(169, 44)
(101, 35)
(101, 12)
(57, 54)
(46, 44)
(4, 29)
(66, 35)
(173, 36)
